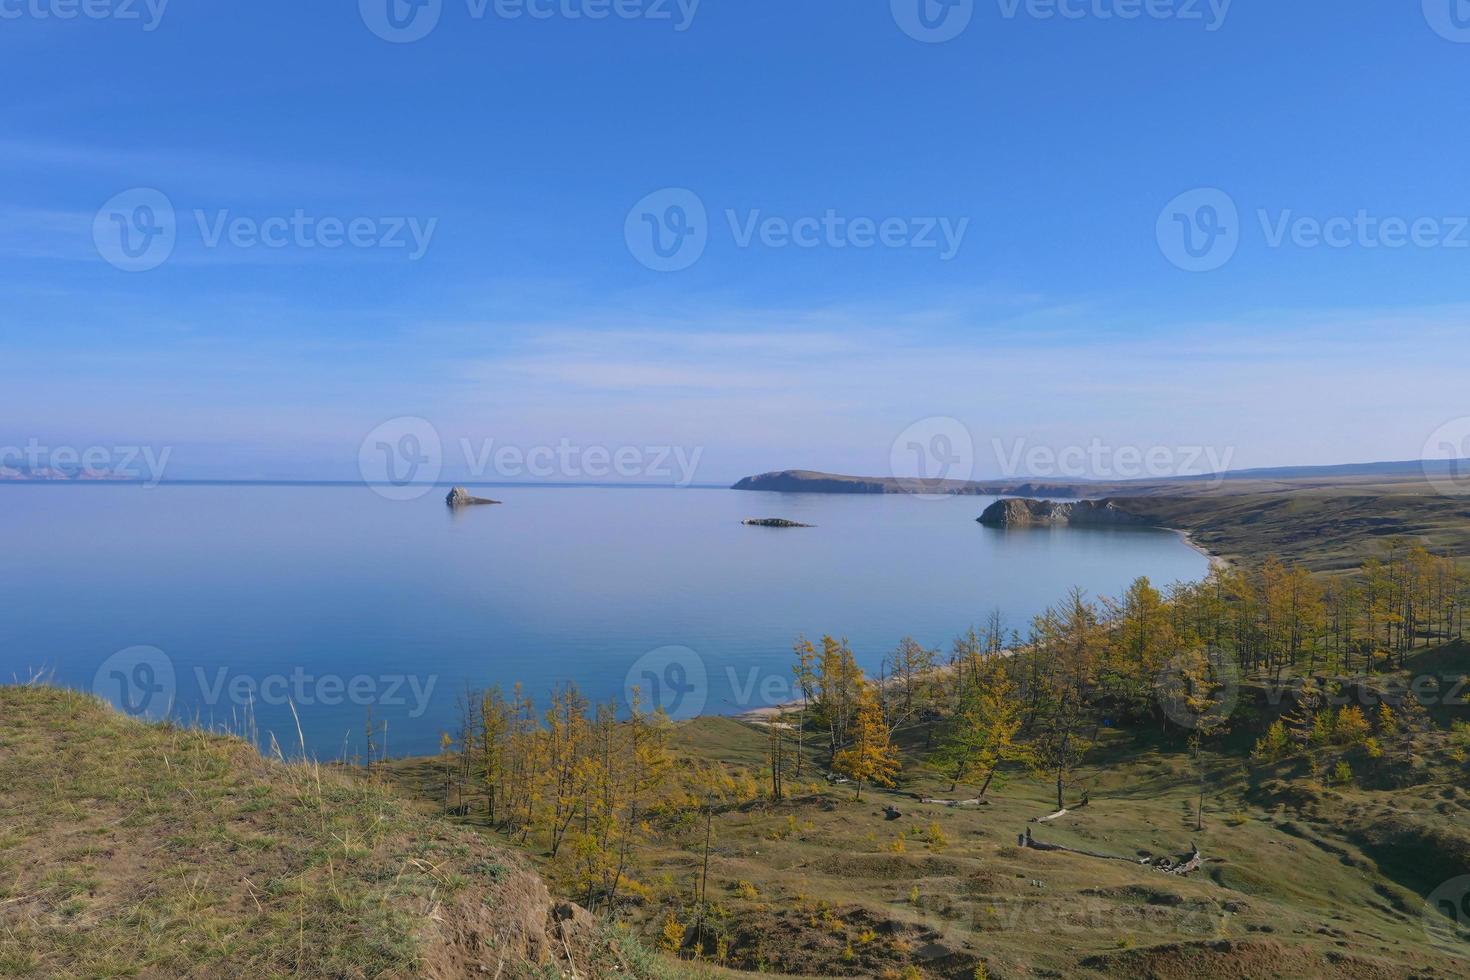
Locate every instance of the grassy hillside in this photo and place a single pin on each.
(138, 850)
(1324, 530)
(1303, 876)
(141, 850)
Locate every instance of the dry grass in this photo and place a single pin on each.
(157, 851)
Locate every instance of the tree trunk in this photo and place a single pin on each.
(988, 777)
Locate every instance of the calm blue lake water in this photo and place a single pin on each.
(210, 599)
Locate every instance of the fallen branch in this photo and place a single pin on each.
(1051, 816)
(977, 801)
(1190, 862)
(1025, 840)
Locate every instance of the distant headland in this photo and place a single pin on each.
(809, 481)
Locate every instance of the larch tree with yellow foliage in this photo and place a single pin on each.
(871, 755)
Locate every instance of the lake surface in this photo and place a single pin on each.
(211, 601)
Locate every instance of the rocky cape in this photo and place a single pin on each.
(1081, 513)
(460, 497)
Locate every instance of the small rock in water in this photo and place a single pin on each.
(460, 497)
(771, 522)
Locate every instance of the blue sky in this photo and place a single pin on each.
(518, 147)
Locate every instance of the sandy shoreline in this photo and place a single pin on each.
(1217, 562)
